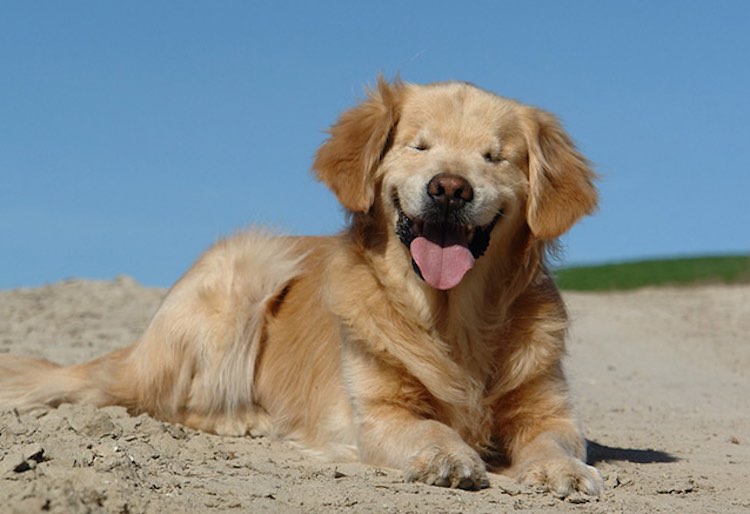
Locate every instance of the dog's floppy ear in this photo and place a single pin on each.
(358, 141)
(561, 188)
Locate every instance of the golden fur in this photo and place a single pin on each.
(338, 344)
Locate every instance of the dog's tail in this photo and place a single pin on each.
(195, 363)
(26, 382)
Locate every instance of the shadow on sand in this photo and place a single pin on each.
(600, 453)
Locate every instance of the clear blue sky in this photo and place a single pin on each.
(134, 134)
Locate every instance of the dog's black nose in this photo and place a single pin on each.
(450, 191)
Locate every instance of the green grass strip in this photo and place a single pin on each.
(733, 269)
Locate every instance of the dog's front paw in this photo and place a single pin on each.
(454, 466)
(563, 477)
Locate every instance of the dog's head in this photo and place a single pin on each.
(449, 165)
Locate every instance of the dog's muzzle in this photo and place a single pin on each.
(442, 241)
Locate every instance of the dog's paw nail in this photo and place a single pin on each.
(460, 468)
(564, 477)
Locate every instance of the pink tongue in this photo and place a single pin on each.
(441, 267)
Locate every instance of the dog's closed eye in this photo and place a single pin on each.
(420, 146)
(492, 157)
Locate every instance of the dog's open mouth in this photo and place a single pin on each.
(442, 252)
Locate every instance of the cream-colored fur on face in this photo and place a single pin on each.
(337, 344)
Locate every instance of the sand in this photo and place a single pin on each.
(661, 380)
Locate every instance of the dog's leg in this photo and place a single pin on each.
(433, 453)
(195, 363)
(394, 429)
(544, 441)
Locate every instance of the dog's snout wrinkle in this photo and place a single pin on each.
(450, 191)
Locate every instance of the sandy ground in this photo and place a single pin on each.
(661, 380)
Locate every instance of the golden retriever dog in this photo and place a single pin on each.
(427, 336)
